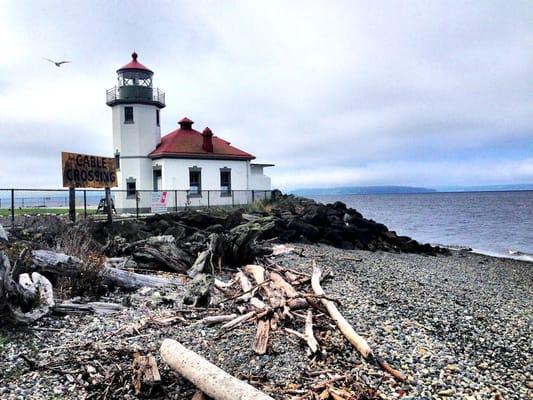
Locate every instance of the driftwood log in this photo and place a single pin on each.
(347, 330)
(206, 376)
(23, 297)
(344, 326)
(62, 264)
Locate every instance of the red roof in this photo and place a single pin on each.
(134, 64)
(188, 143)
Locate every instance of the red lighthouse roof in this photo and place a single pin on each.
(134, 64)
(185, 142)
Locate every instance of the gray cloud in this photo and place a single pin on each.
(359, 92)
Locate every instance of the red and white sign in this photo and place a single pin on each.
(159, 202)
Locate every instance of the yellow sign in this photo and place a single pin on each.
(82, 170)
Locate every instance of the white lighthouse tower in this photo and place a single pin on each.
(135, 107)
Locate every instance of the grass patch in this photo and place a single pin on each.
(5, 212)
(260, 206)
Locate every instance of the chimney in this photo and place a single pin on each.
(208, 140)
(186, 123)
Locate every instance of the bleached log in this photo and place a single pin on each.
(145, 371)
(199, 264)
(206, 376)
(224, 285)
(260, 343)
(259, 304)
(239, 320)
(344, 326)
(62, 264)
(36, 291)
(308, 335)
(257, 272)
(199, 395)
(246, 286)
(93, 307)
(216, 319)
(283, 285)
(3, 234)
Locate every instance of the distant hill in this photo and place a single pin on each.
(486, 188)
(361, 190)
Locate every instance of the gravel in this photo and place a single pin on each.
(459, 326)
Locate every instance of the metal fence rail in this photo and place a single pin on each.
(32, 202)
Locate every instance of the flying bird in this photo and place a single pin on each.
(57, 63)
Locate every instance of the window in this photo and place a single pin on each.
(128, 115)
(195, 181)
(157, 117)
(131, 188)
(117, 159)
(225, 182)
(157, 178)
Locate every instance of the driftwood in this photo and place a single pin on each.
(344, 326)
(347, 330)
(216, 319)
(93, 307)
(283, 285)
(260, 343)
(239, 320)
(62, 264)
(206, 376)
(3, 234)
(145, 371)
(199, 395)
(308, 335)
(25, 298)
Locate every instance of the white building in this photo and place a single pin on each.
(194, 168)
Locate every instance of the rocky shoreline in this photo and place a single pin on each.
(457, 324)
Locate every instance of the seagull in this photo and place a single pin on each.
(57, 63)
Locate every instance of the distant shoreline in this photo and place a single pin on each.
(296, 193)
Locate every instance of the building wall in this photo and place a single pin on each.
(175, 173)
(259, 181)
(134, 142)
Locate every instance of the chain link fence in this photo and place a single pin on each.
(18, 203)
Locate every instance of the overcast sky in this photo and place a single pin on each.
(334, 93)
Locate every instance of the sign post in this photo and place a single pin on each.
(108, 202)
(72, 204)
(86, 171)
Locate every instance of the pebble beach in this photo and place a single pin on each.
(458, 326)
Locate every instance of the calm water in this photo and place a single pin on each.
(498, 223)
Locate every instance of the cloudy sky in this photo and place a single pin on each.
(334, 93)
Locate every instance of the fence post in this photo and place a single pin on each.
(12, 208)
(176, 199)
(137, 203)
(233, 198)
(253, 196)
(85, 203)
(209, 191)
(72, 204)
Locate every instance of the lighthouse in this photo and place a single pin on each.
(136, 107)
(184, 168)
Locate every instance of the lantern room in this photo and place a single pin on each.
(135, 86)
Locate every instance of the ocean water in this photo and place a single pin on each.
(494, 223)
